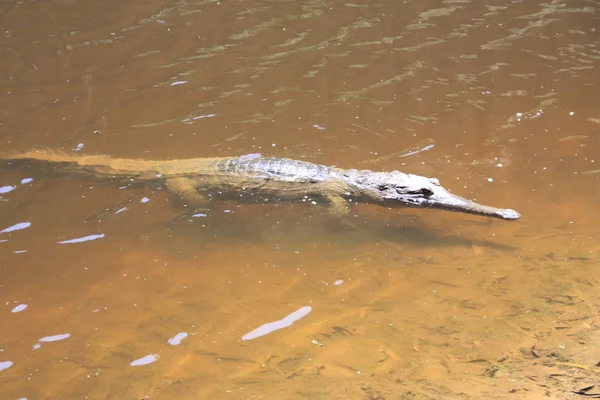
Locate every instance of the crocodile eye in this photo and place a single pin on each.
(382, 188)
(421, 191)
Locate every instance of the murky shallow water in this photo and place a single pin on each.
(497, 100)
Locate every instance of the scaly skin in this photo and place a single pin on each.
(253, 178)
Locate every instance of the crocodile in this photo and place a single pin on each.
(255, 178)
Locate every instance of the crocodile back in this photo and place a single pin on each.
(272, 168)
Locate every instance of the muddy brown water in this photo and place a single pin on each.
(498, 99)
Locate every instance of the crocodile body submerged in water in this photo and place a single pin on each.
(254, 178)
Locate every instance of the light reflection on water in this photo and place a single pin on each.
(82, 239)
(19, 308)
(285, 322)
(5, 364)
(16, 227)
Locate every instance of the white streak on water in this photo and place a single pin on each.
(55, 338)
(149, 359)
(175, 340)
(6, 189)
(276, 325)
(5, 364)
(191, 120)
(26, 180)
(82, 239)
(204, 116)
(17, 227)
(428, 147)
(19, 308)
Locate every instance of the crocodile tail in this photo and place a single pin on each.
(100, 166)
(39, 154)
(52, 156)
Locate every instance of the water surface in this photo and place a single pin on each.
(119, 296)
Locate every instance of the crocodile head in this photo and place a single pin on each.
(395, 189)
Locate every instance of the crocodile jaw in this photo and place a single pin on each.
(442, 199)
